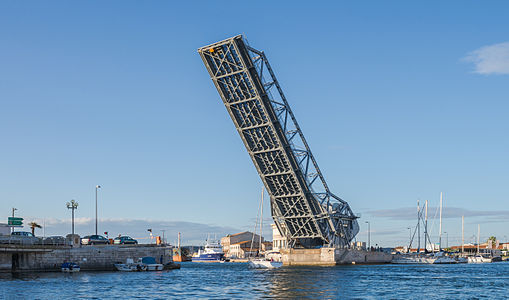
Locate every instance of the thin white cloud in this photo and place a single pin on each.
(192, 233)
(492, 59)
(410, 213)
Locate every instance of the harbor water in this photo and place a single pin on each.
(236, 280)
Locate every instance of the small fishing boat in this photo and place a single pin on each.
(151, 263)
(70, 267)
(130, 266)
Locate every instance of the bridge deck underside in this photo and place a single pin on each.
(233, 74)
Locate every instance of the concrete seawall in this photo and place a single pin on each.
(99, 258)
(332, 256)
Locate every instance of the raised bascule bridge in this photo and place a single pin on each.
(304, 209)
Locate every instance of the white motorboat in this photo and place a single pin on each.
(442, 258)
(479, 259)
(130, 266)
(264, 264)
(413, 259)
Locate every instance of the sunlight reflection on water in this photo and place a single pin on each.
(235, 280)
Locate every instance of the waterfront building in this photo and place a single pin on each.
(241, 239)
(359, 245)
(5, 229)
(278, 241)
(242, 250)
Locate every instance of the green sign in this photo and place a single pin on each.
(14, 221)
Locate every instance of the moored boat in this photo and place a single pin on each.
(264, 264)
(70, 267)
(130, 266)
(151, 263)
(479, 259)
(213, 252)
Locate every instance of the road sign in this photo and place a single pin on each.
(15, 221)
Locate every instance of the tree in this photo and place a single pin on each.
(34, 225)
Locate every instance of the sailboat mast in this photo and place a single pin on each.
(478, 238)
(418, 227)
(440, 227)
(462, 234)
(261, 222)
(426, 226)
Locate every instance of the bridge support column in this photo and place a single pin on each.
(332, 256)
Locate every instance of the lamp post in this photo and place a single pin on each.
(409, 237)
(72, 206)
(96, 188)
(369, 236)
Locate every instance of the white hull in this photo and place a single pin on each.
(264, 264)
(414, 260)
(130, 267)
(73, 270)
(478, 260)
(154, 267)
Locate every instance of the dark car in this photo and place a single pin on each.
(94, 240)
(124, 240)
(54, 240)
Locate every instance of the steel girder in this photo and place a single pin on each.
(303, 208)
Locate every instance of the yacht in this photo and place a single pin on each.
(413, 259)
(213, 252)
(442, 258)
(479, 259)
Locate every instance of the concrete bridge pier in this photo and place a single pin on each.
(332, 256)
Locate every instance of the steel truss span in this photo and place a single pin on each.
(305, 211)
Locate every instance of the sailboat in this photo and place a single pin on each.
(262, 262)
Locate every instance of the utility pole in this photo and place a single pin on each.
(163, 236)
(369, 236)
(96, 188)
(13, 210)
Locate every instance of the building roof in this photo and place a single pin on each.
(239, 233)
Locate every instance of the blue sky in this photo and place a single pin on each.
(399, 101)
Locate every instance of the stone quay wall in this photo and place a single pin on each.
(97, 257)
(332, 256)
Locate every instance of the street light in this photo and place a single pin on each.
(72, 206)
(369, 236)
(96, 188)
(409, 237)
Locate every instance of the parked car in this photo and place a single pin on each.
(22, 233)
(54, 240)
(94, 240)
(20, 237)
(124, 240)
